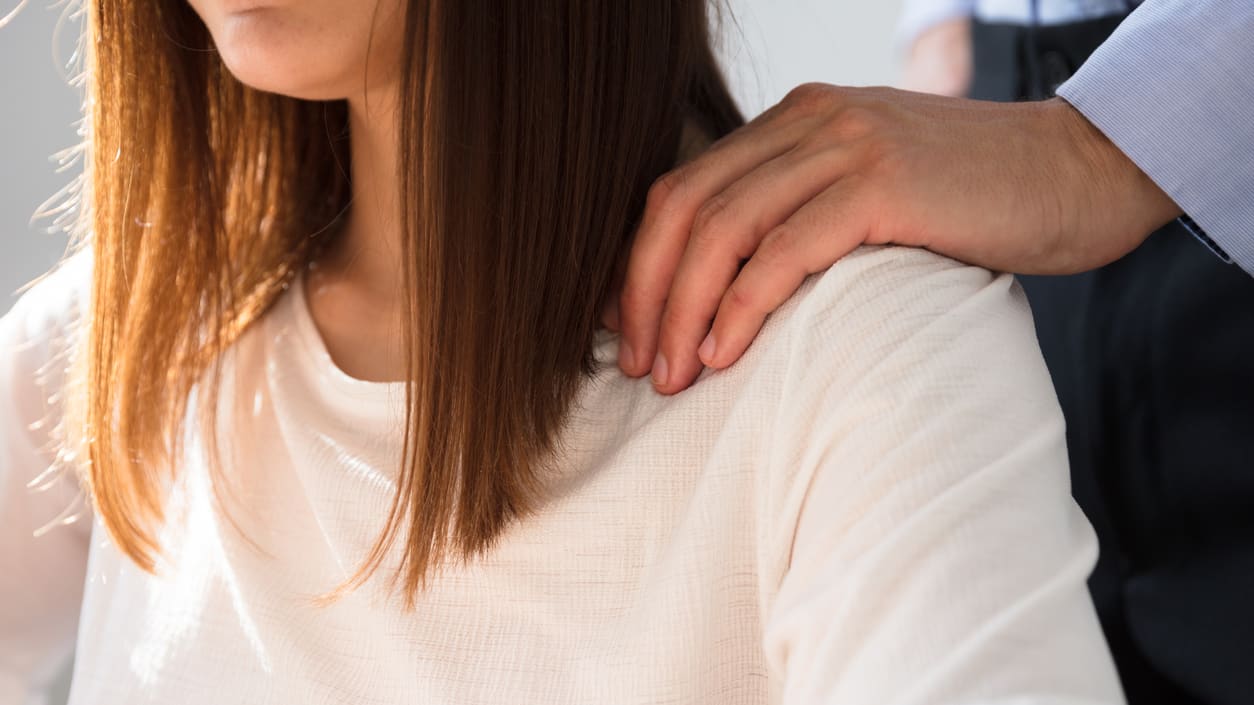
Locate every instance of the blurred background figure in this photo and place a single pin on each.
(1150, 357)
(1024, 48)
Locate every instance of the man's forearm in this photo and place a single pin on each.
(1173, 88)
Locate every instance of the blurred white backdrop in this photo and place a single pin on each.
(768, 46)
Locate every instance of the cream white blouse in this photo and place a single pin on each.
(870, 508)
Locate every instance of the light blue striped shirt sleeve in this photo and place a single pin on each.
(1173, 88)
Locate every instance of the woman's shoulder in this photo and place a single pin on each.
(917, 449)
(889, 341)
(52, 304)
(37, 334)
(894, 277)
(893, 338)
(878, 299)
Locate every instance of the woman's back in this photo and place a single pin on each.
(871, 507)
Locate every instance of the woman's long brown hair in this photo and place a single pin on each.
(531, 132)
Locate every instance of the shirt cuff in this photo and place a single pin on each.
(1197, 232)
(1172, 89)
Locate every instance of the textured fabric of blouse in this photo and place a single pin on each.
(870, 508)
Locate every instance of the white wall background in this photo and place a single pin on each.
(768, 46)
(771, 46)
(37, 111)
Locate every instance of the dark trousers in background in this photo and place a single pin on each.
(1153, 361)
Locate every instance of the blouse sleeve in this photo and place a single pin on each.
(42, 558)
(928, 547)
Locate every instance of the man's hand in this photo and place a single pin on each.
(729, 236)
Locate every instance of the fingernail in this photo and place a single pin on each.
(659, 370)
(625, 359)
(706, 351)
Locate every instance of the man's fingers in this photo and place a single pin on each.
(672, 205)
(726, 231)
(815, 237)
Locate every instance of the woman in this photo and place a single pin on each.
(350, 431)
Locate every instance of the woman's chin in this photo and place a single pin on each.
(271, 77)
(274, 61)
(290, 89)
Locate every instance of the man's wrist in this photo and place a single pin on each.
(1109, 190)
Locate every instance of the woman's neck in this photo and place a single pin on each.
(353, 287)
(368, 247)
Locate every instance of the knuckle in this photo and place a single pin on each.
(776, 248)
(854, 122)
(813, 97)
(709, 218)
(740, 297)
(666, 190)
